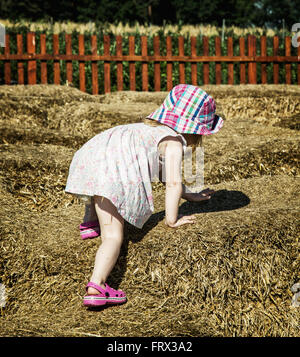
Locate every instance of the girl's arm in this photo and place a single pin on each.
(174, 187)
(203, 195)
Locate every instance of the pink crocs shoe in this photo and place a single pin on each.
(105, 296)
(89, 229)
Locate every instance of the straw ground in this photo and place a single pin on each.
(229, 274)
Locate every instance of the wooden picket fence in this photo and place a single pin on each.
(250, 60)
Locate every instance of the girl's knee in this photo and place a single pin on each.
(111, 237)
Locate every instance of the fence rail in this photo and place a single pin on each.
(247, 63)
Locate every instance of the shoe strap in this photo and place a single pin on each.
(108, 289)
(89, 224)
(95, 286)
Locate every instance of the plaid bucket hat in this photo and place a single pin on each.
(189, 110)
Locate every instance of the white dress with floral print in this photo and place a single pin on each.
(119, 164)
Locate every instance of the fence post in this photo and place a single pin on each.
(69, 65)
(263, 52)
(205, 64)
(132, 63)
(193, 64)
(157, 83)
(251, 65)
(31, 67)
(288, 75)
(95, 89)
(144, 41)
(242, 64)
(275, 65)
(81, 63)
(20, 64)
(43, 63)
(169, 64)
(119, 63)
(56, 75)
(218, 64)
(181, 64)
(106, 45)
(230, 64)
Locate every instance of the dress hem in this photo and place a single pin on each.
(106, 196)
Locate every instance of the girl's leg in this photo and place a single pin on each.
(112, 231)
(90, 212)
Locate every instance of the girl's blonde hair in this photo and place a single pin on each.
(191, 139)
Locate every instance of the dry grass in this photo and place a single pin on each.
(230, 274)
(125, 28)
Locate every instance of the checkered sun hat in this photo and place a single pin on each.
(189, 110)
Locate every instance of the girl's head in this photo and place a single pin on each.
(189, 110)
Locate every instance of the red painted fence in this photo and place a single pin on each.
(250, 60)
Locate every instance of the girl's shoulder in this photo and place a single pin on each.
(172, 142)
(164, 135)
(173, 136)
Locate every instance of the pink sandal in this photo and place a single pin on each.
(105, 296)
(89, 229)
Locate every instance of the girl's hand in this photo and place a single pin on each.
(204, 195)
(182, 220)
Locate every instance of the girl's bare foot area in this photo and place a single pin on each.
(92, 291)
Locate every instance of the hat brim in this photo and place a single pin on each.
(217, 125)
(173, 121)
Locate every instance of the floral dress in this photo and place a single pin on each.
(120, 163)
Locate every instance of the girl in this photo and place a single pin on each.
(114, 170)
